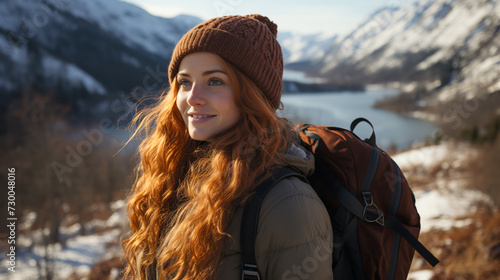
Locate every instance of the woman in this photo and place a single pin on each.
(209, 142)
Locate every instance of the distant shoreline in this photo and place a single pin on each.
(291, 87)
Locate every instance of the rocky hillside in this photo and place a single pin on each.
(86, 52)
(429, 40)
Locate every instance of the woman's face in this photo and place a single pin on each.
(205, 98)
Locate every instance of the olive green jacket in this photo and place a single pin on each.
(294, 236)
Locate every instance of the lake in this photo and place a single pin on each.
(341, 108)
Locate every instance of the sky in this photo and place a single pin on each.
(299, 16)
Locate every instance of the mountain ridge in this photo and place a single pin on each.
(85, 52)
(89, 52)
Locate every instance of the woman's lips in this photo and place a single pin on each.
(200, 118)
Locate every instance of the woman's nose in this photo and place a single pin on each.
(196, 96)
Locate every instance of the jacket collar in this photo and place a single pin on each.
(300, 159)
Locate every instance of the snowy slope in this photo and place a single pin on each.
(447, 196)
(77, 255)
(81, 47)
(135, 26)
(300, 48)
(425, 41)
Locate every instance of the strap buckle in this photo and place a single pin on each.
(371, 213)
(250, 272)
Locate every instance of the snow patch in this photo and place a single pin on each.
(426, 157)
(444, 203)
(77, 255)
(299, 76)
(447, 198)
(424, 116)
(70, 73)
(421, 275)
(297, 47)
(131, 23)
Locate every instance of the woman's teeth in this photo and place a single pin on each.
(199, 116)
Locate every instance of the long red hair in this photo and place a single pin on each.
(186, 191)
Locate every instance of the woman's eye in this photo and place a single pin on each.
(184, 83)
(215, 82)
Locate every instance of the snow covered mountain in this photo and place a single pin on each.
(299, 48)
(439, 42)
(79, 48)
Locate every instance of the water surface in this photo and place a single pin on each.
(340, 108)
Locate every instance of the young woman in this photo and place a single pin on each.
(210, 141)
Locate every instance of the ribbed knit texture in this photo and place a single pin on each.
(248, 42)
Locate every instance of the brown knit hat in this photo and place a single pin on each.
(248, 42)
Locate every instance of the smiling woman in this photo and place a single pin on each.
(215, 137)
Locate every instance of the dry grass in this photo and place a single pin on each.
(485, 170)
(103, 269)
(452, 168)
(470, 252)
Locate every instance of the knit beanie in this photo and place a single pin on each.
(247, 42)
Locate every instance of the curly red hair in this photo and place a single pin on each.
(186, 191)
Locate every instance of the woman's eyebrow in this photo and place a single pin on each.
(206, 73)
(214, 71)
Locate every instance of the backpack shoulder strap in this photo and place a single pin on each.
(250, 221)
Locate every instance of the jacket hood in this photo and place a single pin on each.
(301, 160)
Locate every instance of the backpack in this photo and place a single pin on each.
(371, 206)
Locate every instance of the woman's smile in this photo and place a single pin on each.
(197, 118)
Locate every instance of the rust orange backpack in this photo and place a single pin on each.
(371, 206)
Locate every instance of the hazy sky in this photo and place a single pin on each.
(302, 16)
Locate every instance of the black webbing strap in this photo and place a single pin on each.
(250, 221)
(371, 171)
(397, 192)
(419, 247)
